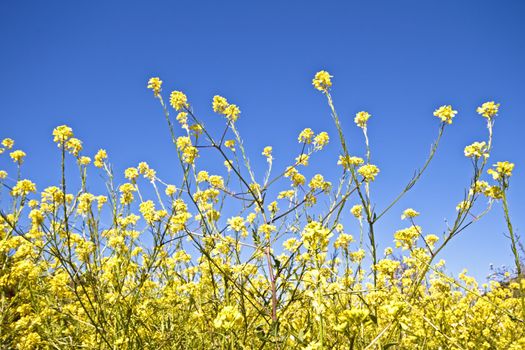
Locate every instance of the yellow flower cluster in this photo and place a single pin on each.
(488, 109)
(155, 84)
(368, 172)
(502, 170)
(322, 81)
(114, 271)
(476, 150)
(230, 111)
(445, 113)
(178, 100)
(361, 119)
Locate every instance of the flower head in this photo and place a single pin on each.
(368, 171)
(445, 113)
(178, 100)
(361, 119)
(409, 214)
(322, 81)
(155, 85)
(61, 134)
(17, 156)
(488, 109)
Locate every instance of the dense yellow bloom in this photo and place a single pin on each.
(232, 112)
(318, 183)
(361, 118)
(17, 156)
(488, 109)
(406, 238)
(321, 140)
(502, 170)
(74, 146)
(23, 188)
(229, 317)
(343, 240)
(8, 143)
(409, 214)
(219, 104)
(178, 100)
(494, 192)
(236, 223)
(189, 152)
(131, 174)
(315, 236)
(126, 193)
(357, 211)
(267, 230)
(445, 113)
(306, 136)
(84, 203)
(476, 149)
(61, 134)
(100, 157)
(368, 171)
(170, 190)
(155, 85)
(322, 81)
(216, 181)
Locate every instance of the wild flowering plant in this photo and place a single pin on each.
(237, 260)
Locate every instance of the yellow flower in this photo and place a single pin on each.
(216, 181)
(318, 183)
(17, 156)
(232, 112)
(8, 143)
(302, 159)
(343, 240)
(74, 146)
(322, 81)
(170, 190)
(99, 158)
(84, 160)
(219, 104)
(306, 136)
(409, 214)
(230, 144)
(178, 100)
(229, 317)
(357, 211)
(267, 152)
(131, 174)
(3, 174)
(321, 140)
(361, 119)
(61, 134)
(369, 172)
(503, 170)
(236, 223)
(155, 85)
(23, 188)
(488, 109)
(476, 150)
(445, 113)
(347, 161)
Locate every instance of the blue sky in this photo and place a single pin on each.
(86, 64)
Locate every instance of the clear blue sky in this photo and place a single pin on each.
(86, 64)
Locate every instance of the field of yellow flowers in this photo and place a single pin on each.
(240, 260)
